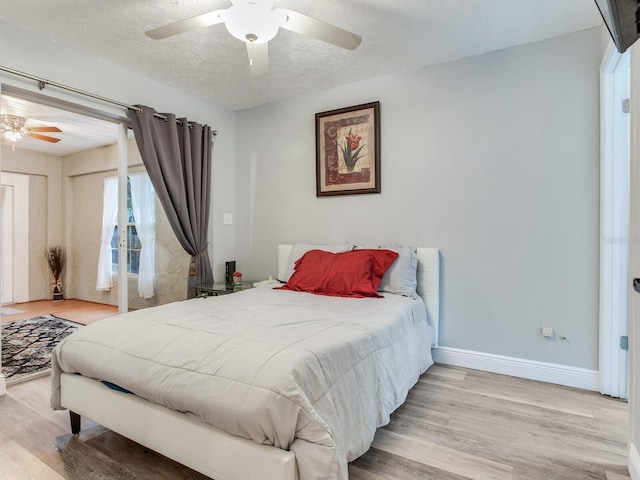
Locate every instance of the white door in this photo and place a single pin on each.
(15, 230)
(6, 244)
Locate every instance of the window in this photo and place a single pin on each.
(140, 233)
(133, 241)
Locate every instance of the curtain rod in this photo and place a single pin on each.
(42, 83)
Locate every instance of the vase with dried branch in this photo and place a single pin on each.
(56, 259)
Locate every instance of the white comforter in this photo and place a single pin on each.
(312, 374)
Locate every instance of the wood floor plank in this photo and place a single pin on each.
(82, 462)
(526, 392)
(35, 396)
(16, 463)
(33, 432)
(597, 430)
(556, 451)
(71, 309)
(447, 371)
(141, 461)
(444, 398)
(424, 413)
(381, 464)
(616, 476)
(4, 438)
(444, 458)
(356, 473)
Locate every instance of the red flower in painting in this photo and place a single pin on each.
(354, 141)
(351, 152)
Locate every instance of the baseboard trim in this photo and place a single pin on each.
(519, 367)
(634, 463)
(3, 385)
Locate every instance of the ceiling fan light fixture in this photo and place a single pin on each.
(253, 22)
(12, 135)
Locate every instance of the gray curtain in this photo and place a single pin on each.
(177, 155)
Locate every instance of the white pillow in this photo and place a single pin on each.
(299, 249)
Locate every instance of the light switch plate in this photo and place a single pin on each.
(227, 219)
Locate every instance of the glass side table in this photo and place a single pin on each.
(213, 290)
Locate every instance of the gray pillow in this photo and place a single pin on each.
(402, 276)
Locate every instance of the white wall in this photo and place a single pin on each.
(493, 159)
(34, 54)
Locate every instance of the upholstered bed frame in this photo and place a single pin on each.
(192, 442)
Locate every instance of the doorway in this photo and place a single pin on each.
(6, 244)
(14, 192)
(89, 144)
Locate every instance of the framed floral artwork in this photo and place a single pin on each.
(348, 150)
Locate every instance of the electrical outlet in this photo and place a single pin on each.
(547, 331)
(227, 219)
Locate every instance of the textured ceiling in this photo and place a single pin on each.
(397, 36)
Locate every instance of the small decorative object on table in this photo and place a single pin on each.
(237, 278)
(56, 259)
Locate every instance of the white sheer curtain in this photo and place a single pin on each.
(143, 206)
(109, 219)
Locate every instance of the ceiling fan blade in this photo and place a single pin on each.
(44, 129)
(44, 137)
(186, 25)
(258, 57)
(301, 23)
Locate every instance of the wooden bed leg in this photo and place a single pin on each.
(75, 422)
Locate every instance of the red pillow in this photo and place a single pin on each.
(356, 273)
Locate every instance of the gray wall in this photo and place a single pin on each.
(493, 159)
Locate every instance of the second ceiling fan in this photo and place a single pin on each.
(13, 128)
(256, 22)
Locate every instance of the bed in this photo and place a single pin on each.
(343, 378)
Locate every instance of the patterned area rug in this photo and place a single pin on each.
(27, 345)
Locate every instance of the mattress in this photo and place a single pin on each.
(312, 374)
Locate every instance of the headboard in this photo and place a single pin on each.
(428, 281)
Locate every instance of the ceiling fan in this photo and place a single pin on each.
(255, 23)
(13, 129)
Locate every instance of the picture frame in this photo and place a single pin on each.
(348, 150)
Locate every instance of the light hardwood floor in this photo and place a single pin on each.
(456, 424)
(71, 309)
